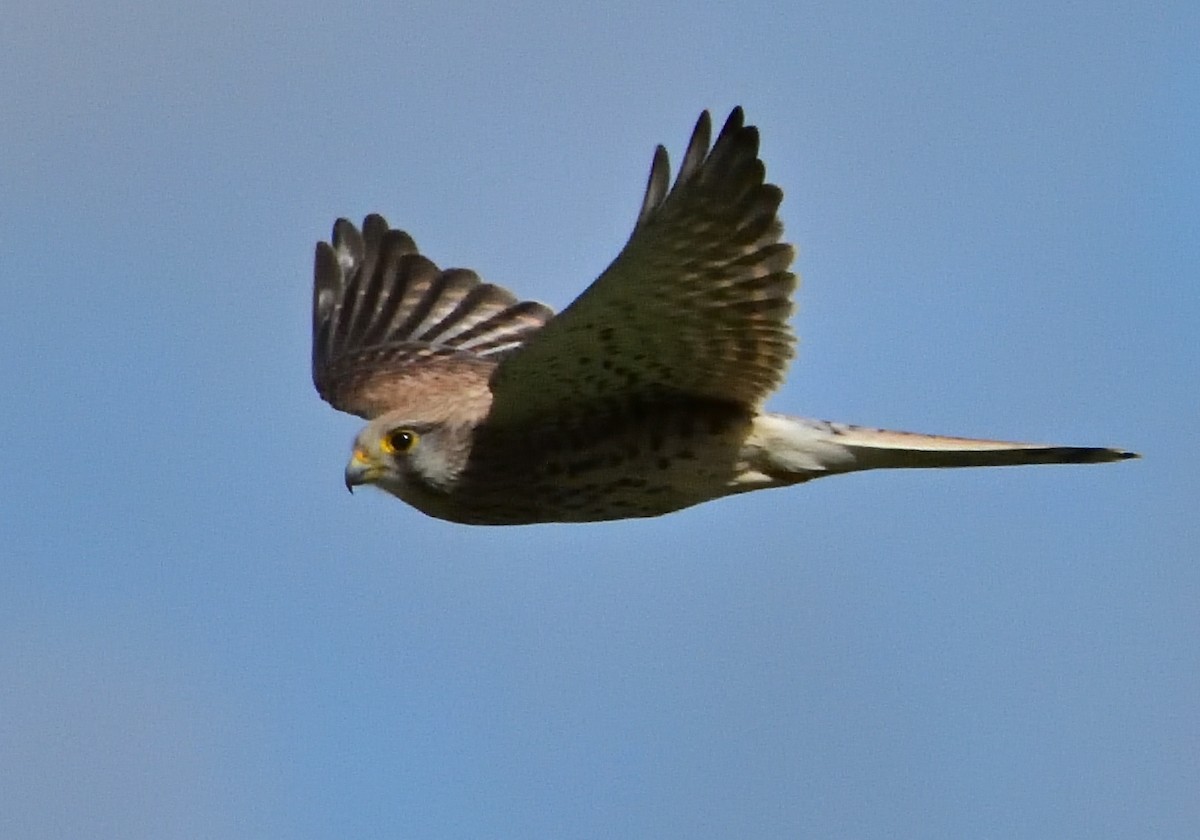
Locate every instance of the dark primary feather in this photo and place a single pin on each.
(380, 307)
(696, 304)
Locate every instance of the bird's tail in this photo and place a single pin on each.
(792, 449)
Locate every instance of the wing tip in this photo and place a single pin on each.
(658, 184)
(734, 134)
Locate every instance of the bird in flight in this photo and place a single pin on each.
(644, 396)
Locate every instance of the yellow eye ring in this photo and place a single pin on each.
(398, 441)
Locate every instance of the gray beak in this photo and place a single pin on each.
(360, 470)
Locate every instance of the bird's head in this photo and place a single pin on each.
(408, 459)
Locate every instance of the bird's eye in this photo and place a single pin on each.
(399, 441)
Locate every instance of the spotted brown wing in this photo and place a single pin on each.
(695, 304)
(382, 311)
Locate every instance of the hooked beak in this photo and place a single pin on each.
(360, 470)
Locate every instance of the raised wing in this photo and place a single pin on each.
(696, 303)
(381, 311)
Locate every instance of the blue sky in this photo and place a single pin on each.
(204, 636)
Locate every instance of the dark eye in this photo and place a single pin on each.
(399, 441)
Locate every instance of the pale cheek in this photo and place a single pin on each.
(417, 475)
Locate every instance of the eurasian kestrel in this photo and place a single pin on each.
(642, 397)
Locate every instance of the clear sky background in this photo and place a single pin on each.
(203, 635)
